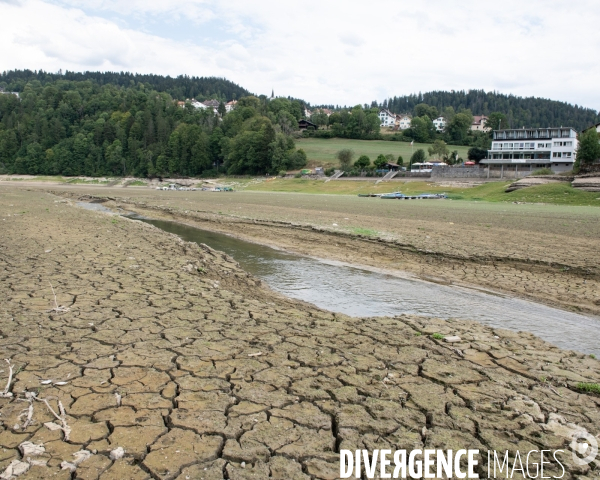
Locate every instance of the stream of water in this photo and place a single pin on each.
(362, 293)
(358, 292)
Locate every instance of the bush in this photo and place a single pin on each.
(477, 154)
(297, 159)
(362, 163)
(298, 175)
(329, 171)
(282, 173)
(418, 156)
(542, 171)
(380, 161)
(345, 157)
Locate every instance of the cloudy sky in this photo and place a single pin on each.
(328, 51)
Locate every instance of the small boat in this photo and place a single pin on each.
(392, 195)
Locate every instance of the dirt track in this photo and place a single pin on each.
(173, 353)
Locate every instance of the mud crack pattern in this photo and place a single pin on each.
(197, 371)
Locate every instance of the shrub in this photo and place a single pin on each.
(345, 157)
(362, 163)
(542, 171)
(438, 336)
(298, 175)
(282, 173)
(329, 171)
(418, 156)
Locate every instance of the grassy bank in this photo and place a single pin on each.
(559, 194)
(321, 152)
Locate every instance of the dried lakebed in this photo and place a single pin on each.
(358, 292)
(172, 353)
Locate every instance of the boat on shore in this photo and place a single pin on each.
(393, 195)
(401, 196)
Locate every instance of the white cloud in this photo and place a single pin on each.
(343, 52)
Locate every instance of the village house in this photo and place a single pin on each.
(306, 124)
(403, 122)
(387, 118)
(9, 93)
(597, 127)
(214, 104)
(197, 104)
(478, 124)
(229, 106)
(439, 124)
(531, 148)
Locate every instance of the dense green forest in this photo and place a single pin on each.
(87, 127)
(181, 87)
(528, 112)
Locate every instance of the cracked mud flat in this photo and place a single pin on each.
(171, 352)
(528, 251)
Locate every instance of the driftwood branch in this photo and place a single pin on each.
(5, 393)
(62, 418)
(57, 308)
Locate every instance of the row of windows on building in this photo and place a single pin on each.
(541, 156)
(543, 133)
(529, 145)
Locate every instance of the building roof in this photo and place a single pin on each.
(479, 119)
(387, 112)
(211, 103)
(589, 128)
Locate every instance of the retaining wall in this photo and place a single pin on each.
(478, 172)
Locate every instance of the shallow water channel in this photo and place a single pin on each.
(362, 293)
(358, 292)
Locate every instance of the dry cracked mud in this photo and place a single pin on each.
(545, 256)
(170, 352)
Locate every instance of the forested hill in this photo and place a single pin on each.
(528, 112)
(80, 127)
(181, 87)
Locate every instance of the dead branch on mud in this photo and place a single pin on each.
(5, 393)
(62, 419)
(57, 309)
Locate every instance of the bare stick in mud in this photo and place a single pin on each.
(5, 393)
(62, 419)
(56, 308)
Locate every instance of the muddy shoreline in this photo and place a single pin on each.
(173, 353)
(570, 287)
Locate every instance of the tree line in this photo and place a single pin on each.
(180, 87)
(531, 112)
(82, 127)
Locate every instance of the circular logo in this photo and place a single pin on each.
(585, 448)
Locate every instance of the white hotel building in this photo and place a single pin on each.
(552, 148)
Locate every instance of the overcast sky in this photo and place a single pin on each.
(328, 51)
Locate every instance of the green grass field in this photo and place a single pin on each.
(558, 194)
(321, 151)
